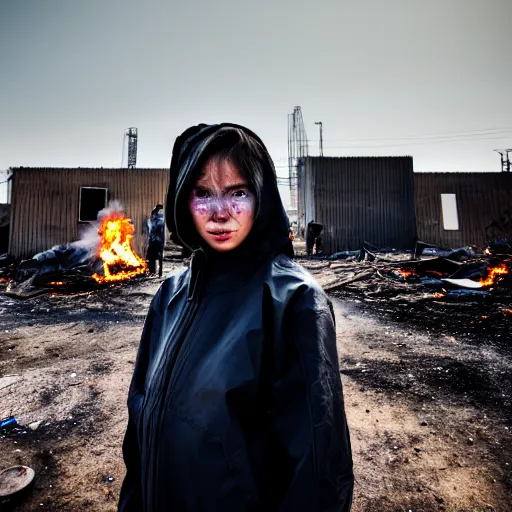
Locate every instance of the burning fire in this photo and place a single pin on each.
(493, 273)
(119, 259)
(405, 273)
(488, 251)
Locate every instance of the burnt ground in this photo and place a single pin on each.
(427, 393)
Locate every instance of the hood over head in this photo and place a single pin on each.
(270, 232)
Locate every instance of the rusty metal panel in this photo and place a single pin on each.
(481, 199)
(360, 199)
(45, 203)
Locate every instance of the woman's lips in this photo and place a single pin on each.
(221, 236)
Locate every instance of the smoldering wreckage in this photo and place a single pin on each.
(103, 255)
(463, 291)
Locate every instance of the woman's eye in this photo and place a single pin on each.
(240, 193)
(201, 193)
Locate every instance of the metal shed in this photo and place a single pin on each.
(358, 199)
(46, 203)
(461, 208)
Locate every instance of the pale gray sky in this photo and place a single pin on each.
(75, 74)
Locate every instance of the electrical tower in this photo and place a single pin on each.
(132, 135)
(297, 148)
(505, 159)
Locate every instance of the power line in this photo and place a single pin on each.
(442, 135)
(391, 145)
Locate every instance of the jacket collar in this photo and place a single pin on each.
(217, 273)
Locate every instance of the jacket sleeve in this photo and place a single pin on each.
(312, 462)
(130, 499)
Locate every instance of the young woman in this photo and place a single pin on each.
(236, 401)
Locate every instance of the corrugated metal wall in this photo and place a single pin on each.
(481, 198)
(360, 199)
(45, 203)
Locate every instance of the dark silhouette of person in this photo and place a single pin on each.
(156, 239)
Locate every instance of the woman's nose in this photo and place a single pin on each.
(220, 210)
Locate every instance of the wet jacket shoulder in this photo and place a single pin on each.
(308, 399)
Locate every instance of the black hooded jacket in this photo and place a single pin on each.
(236, 402)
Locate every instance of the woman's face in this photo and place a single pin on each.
(222, 206)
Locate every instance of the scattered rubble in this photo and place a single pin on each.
(445, 292)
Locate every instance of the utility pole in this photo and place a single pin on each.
(505, 159)
(321, 139)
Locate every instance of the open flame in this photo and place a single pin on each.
(493, 273)
(406, 273)
(120, 261)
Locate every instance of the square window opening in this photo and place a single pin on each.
(92, 200)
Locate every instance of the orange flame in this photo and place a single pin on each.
(120, 261)
(405, 273)
(488, 251)
(57, 283)
(493, 274)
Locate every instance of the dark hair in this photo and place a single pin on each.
(243, 151)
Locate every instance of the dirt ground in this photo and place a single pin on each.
(429, 406)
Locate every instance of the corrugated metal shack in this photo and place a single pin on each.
(50, 206)
(462, 208)
(358, 199)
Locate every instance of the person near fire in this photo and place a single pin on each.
(156, 239)
(236, 402)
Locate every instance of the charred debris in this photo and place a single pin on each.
(463, 292)
(83, 266)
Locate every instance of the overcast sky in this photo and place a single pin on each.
(378, 74)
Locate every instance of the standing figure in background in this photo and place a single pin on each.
(156, 239)
(313, 231)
